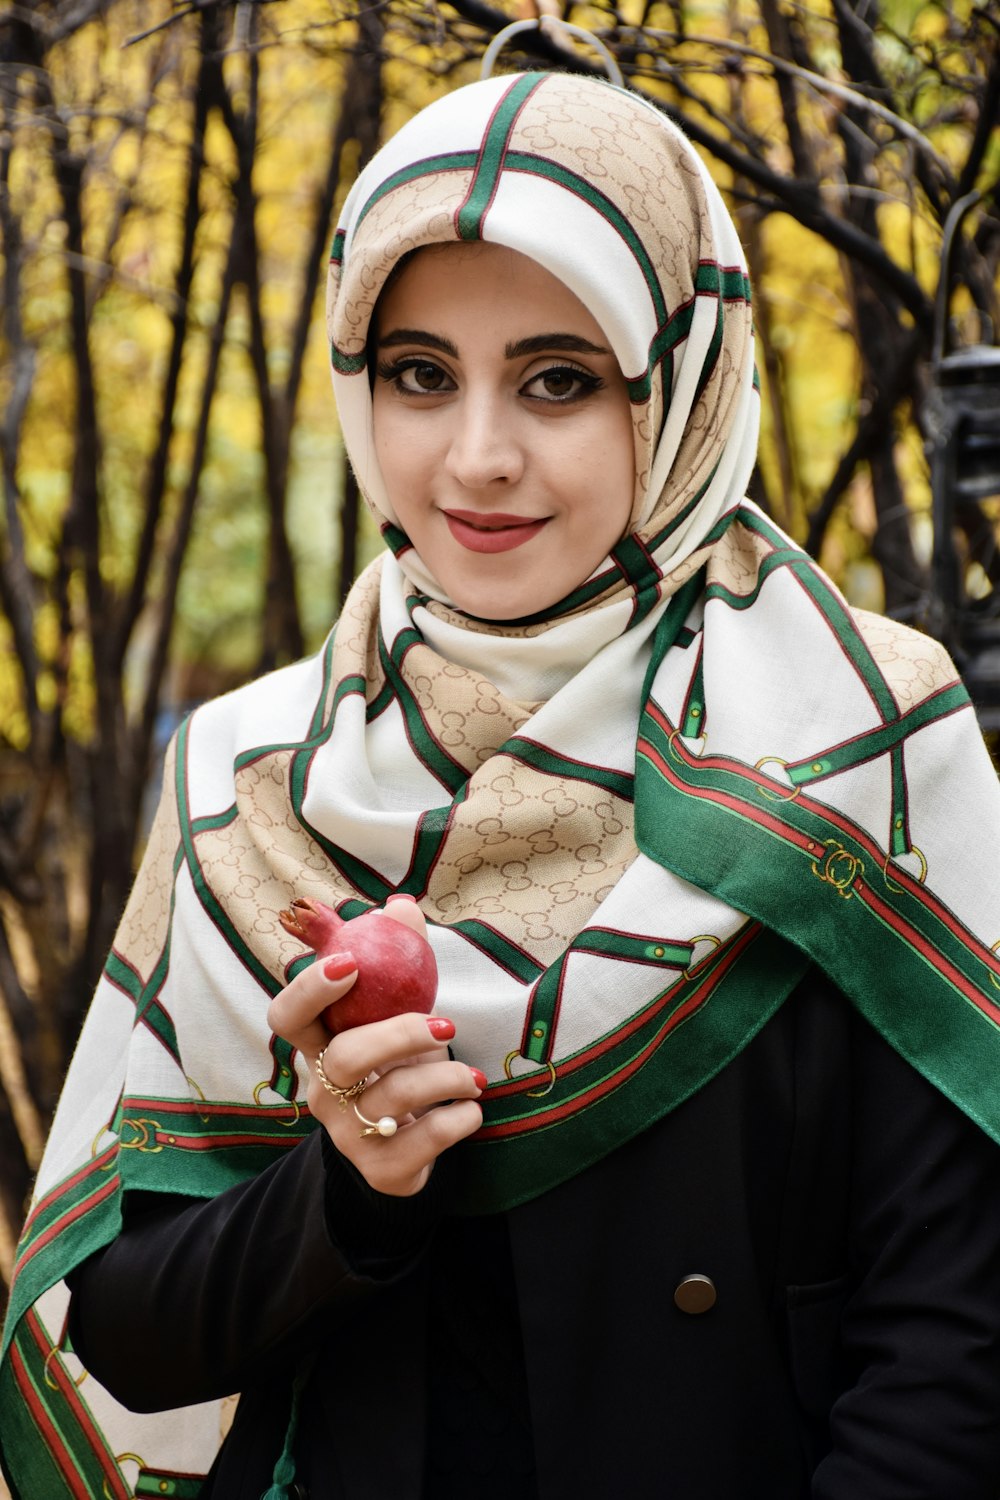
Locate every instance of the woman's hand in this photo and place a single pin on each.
(412, 1079)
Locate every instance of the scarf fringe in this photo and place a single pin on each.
(283, 1475)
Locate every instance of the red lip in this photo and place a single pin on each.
(496, 531)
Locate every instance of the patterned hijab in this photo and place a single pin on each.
(631, 823)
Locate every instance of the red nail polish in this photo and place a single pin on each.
(478, 1077)
(339, 965)
(440, 1029)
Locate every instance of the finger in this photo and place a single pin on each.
(296, 1012)
(405, 909)
(408, 1091)
(383, 1044)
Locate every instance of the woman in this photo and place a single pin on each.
(689, 1186)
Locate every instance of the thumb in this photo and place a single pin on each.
(405, 909)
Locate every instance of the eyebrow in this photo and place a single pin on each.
(417, 336)
(543, 343)
(537, 343)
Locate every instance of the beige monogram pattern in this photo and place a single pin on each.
(469, 716)
(355, 651)
(417, 213)
(914, 666)
(531, 857)
(258, 863)
(735, 560)
(578, 839)
(145, 923)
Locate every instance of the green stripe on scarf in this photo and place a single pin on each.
(49, 1432)
(490, 160)
(896, 951)
(698, 1026)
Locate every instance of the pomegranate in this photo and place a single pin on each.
(396, 967)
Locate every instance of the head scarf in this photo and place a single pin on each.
(631, 822)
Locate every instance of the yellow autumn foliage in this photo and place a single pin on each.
(128, 108)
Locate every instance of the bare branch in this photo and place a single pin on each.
(182, 528)
(778, 34)
(206, 89)
(824, 86)
(989, 114)
(17, 591)
(875, 420)
(171, 20)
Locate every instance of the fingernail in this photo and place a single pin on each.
(339, 965)
(478, 1077)
(400, 896)
(440, 1029)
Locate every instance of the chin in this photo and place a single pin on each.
(499, 612)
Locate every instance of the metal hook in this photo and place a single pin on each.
(552, 24)
(942, 300)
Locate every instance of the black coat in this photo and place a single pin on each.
(840, 1217)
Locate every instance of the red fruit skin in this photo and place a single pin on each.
(396, 968)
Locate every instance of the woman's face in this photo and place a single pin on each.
(502, 428)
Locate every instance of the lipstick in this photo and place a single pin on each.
(495, 531)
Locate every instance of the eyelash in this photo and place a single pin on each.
(587, 383)
(392, 371)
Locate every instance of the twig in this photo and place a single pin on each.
(821, 85)
(178, 15)
(872, 423)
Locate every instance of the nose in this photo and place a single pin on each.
(485, 447)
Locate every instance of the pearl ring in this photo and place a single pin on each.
(386, 1126)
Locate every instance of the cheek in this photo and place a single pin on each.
(612, 479)
(389, 444)
(379, 424)
(627, 470)
(406, 444)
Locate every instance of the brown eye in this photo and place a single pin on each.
(415, 377)
(423, 378)
(561, 384)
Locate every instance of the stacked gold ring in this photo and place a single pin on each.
(343, 1096)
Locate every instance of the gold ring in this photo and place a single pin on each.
(703, 937)
(108, 1165)
(531, 1093)
(773, 796)
(52, 1384)
(124, 1458)
(265, 1083)
(205, 1119)
(699, 739)
(920, 878)
(344, 1096)
(385, 1127)
(993, 978)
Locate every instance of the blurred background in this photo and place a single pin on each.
(176, 512)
